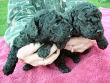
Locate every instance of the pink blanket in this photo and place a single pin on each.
(93, 67)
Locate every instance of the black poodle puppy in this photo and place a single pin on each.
(85, 19)
(50, 27)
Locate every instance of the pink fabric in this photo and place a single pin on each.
(93, 67)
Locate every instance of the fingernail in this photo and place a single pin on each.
(37, 45)
(20, 60)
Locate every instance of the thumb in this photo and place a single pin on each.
(28, 49)
(52, 50)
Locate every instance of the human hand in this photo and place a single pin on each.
(26, 55)
(79, 44)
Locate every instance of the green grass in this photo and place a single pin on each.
(98, 3)
(3, 12)
(3, 16)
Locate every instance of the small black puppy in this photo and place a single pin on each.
(50, 27)
(85, 19)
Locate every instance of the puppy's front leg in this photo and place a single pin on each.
(11, 62)
(44, 50)
(27, 67)
(60, 62)
(75, 56)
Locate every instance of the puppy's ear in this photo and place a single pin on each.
(31, 29)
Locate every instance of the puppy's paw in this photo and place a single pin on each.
(102, 43)
(65, 69)
(7, 70)
(76, 57)
(44, 50)
(27, 67)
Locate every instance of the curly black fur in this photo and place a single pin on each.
(50, 27)
(86, 18)
(47, 27)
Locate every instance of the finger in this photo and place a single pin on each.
(84, 47)
(68, 47)
(35, 60)
(33, 57)
(80, 50)
(47, 60)
(72, 49)
(77, 48)
(52, 50)
(27, 50)
(52, 58)
(20, 60)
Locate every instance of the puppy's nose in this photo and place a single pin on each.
(99, 32)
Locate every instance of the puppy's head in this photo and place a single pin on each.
(88, 21)
(55, 28)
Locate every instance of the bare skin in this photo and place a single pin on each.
(26, 54)
(79, 44)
